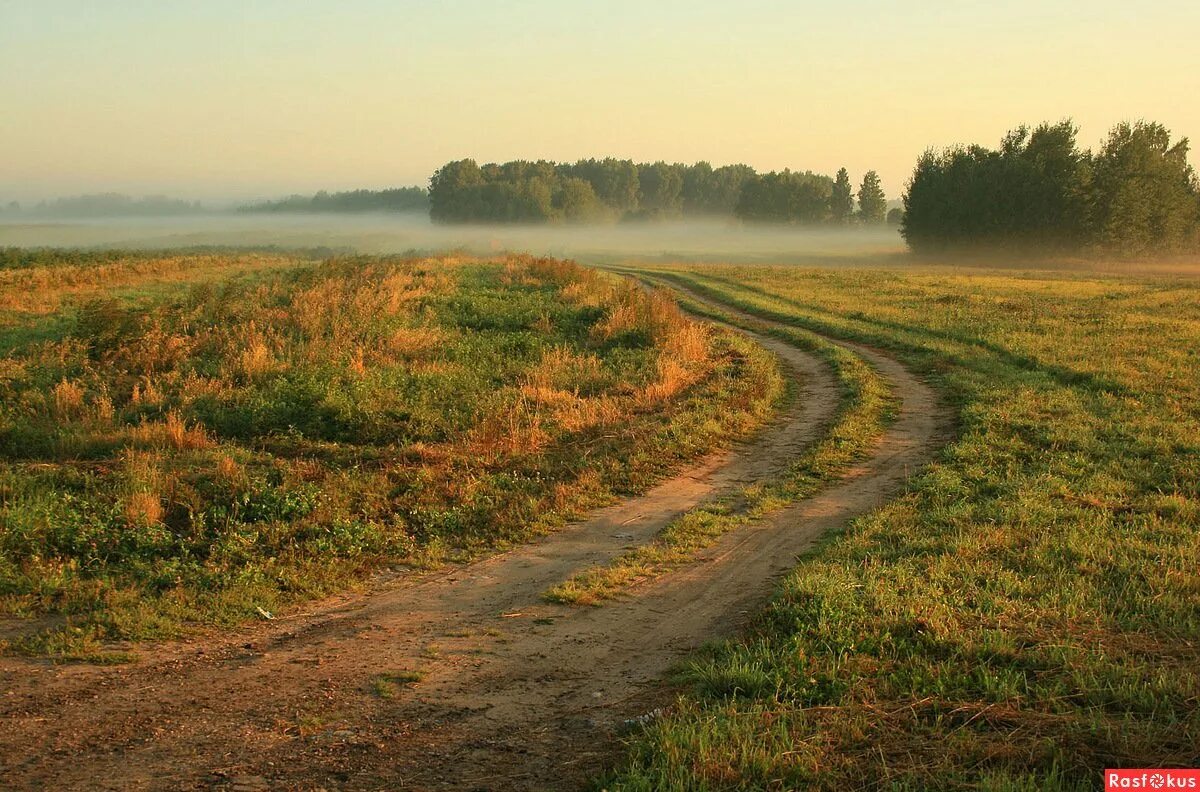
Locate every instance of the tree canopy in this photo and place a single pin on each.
(786, 197)
(1136, 194)
(399, 199)
(611, 189)
(872, 203)
(841, 201)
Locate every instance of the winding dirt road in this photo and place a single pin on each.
(514, 694)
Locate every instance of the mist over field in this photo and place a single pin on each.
(690, 240)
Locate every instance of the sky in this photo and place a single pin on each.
(227, 99)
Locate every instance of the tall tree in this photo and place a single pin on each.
(785, 197)
(1136, 194)
(872, 203)
(661, 189)
(697, 188)
(454, 191)
(576, 201)
(841, 200)
(614, 181)
(1146, 195)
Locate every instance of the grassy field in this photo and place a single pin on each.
(204, 438)
(200, 438)
(1029, 613)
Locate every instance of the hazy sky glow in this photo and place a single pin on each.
(223, 99)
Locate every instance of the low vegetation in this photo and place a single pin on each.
(204, 439)
(1029, 612)
(388, 686)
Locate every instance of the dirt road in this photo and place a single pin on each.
(514, 693)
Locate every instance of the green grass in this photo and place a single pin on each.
(866, 407)
(388, 686)
(1029, 613)
(189, 439)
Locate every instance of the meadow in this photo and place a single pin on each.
(196, 439)
(1028, 613)
(201, 438)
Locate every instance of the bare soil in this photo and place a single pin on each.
(514, 693)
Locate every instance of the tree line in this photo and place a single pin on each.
(398, 199)
(608, 190)
(106, 205)
(1136, 193)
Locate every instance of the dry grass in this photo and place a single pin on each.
(201, 451)
(256, 358)
(673, 378)
(229, 470)
(68, 400)
(41, 290)
(174, 432)
(411, 343)
(517, 429)
(143, 509)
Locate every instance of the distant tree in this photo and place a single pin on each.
(786, 197)
(399, 199)
(708, 191)
(614, 181)
(661, 189)
(1146, 194)
(697, 189)
(895, 216)
(114, 205)
(576, 201)
(591, 190)
(1136, 194)
(727, 184)
(455, 191)
(841, 200)
(872, 203)
(1047, 182)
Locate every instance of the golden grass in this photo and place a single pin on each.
(43, 290)
(68, 399)
(409, 343)
(514, 430)
(296, 429)
(143, 509)
(673, 378)
(228, 469)
(172, 432)
(145, 392)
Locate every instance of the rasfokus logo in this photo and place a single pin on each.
(1153, 779)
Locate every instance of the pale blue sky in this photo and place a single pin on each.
(230, 99)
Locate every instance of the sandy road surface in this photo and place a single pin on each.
(515, 693)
